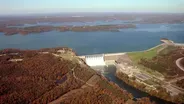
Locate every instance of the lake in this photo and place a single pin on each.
(143, 37)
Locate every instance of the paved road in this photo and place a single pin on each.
(173, 90)
(179, 64)
(179, 44)
(122, 53)
(176, 79)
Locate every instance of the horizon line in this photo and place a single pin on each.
(49, 13)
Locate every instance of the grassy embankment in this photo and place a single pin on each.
(137, 56)
(155, 60)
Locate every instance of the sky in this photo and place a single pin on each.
(54, 6)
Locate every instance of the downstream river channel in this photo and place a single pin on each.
(110, 71)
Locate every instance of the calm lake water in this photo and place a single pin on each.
(94, 23)
(143, 37)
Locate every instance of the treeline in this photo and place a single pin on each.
(182, 62)
(104, 93)
(40, 29)
(9, 51)
(180, 83)
(160, 92)
(35, 80)
(23, 82)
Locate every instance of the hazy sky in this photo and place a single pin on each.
(52, 6)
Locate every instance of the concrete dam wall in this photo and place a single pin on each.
(101, 59)
(95, 60)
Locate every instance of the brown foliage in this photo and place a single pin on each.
(42, 78)
(28, 80)
(165, 64)
(182, 62)
(180, 83)
(143, 101)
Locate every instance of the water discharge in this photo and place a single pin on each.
(95, 60)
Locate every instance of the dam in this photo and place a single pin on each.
(100, 59)
(104, 64)
(95, 60)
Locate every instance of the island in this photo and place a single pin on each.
(40, 29)
(36, 24)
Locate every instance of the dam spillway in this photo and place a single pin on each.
(100, 59)
(95, 60)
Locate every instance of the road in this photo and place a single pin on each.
(179, 44)
(179, 64)
(176, 79)
(173, 88)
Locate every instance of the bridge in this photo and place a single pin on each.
(100, 59)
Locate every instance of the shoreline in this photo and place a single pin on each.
(42, 50)
(134, 86)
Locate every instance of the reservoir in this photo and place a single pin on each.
(143, 37)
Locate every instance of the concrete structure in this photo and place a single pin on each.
(100, 59)
(16, 60)
(95, 60)
(125, 65)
